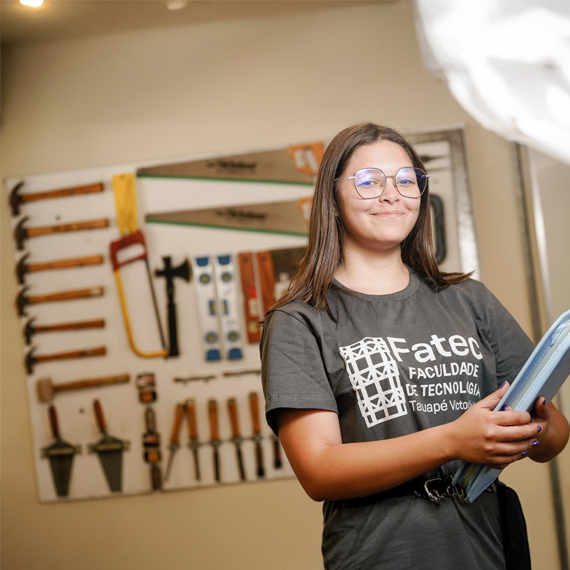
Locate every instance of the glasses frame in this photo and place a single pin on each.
(385, 182)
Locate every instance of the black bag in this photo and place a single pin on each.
(515, 537)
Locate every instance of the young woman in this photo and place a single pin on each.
(381, 373)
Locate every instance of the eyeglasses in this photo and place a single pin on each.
(371, 182)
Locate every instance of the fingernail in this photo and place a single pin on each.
(535, 443)
(505, 408)
(503, 384)
(524, 453)
(538, 429)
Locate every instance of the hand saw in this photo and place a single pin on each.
(296, 164)
(289, 217)
(125, 205)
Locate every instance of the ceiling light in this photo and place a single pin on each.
(32, 3)
(176, 4)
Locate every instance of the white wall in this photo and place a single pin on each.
(203, 89)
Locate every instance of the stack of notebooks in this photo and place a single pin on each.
(544, 372)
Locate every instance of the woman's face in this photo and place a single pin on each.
(377, 224)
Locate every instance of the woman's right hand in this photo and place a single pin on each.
(496, 439)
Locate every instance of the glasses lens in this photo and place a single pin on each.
(411, 182)
(369, 182)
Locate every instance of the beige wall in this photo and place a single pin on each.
(211, 88)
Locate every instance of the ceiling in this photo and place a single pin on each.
(63, 19)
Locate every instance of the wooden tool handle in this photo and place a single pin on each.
(66, 263)
(99, 416)
(98, 351)
(53, 422)
(213, 417)
(178, 415)
(254, 408)
(91, 382)
(95, 324)
(191, 413)
(63, 192)
(66, 295)
(71, 227)
(232, 409)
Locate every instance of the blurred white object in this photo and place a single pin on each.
(507, 63)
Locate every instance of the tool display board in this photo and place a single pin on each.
(189, 376)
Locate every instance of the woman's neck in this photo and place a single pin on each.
(373, 274)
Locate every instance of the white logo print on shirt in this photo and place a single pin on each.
(374, 376)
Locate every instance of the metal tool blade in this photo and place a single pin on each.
(259, 459)
(297, 164)
(60, 456)
(196, 462)
(240, 462)
(287, 217)
(216, 464)
(110, 452)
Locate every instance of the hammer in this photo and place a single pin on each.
(17, 199)
(21, 233)
(46, 389)
(31, 329)
(23, 267)
(32, 359)
(22, 300)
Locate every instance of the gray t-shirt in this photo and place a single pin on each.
(392, 365)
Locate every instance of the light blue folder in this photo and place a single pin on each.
(544, 372)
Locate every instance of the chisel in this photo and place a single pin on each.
(236, 436)
(194, 444)
(215, 440)
(254, 409)
(174, 437)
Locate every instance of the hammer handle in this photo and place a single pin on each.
(65, 295)
(99, 351)
(95, 324)
(90, 383)
(232, 409)
(71, 227)
(65, 263)
(89, 189)
(213, 417)
(253, 406)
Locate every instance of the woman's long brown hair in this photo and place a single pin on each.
(324, 253)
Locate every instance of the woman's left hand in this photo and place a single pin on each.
(552, 431)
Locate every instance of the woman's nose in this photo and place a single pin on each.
(390, 193)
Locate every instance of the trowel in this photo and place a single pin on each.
(110, 450)
(60, 455)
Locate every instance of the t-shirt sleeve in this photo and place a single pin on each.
(292, 367)
(510, 343)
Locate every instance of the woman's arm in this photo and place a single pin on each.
(329, 469)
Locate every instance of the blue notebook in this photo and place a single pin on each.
(544, 372)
